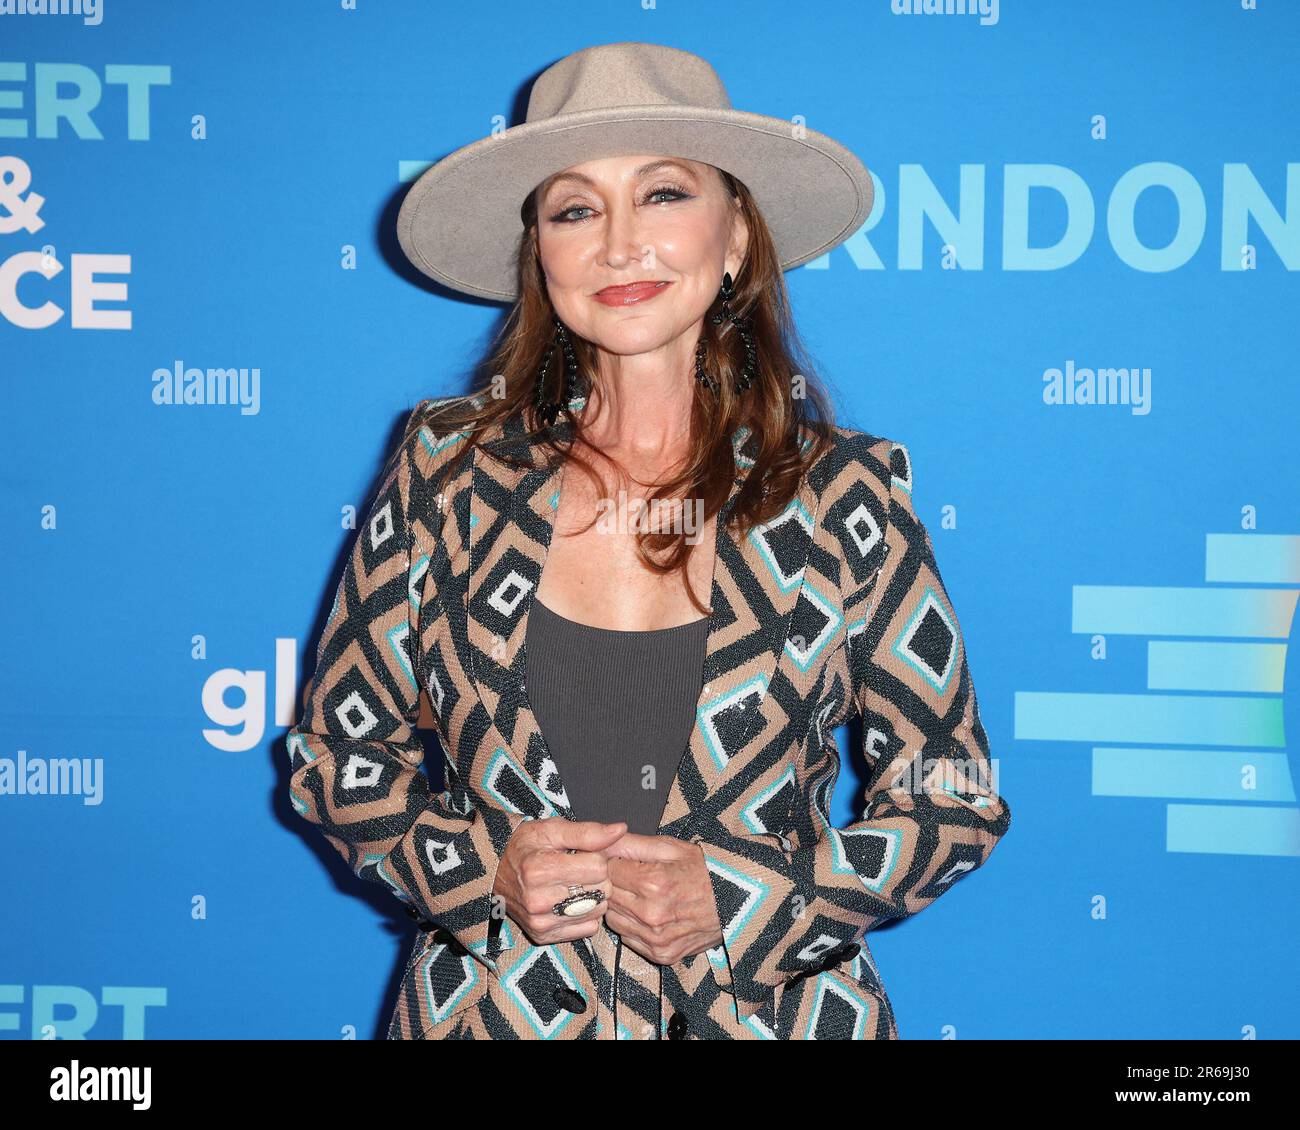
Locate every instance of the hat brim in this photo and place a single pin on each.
(460, 223)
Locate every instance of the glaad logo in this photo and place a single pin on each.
(250, 714)
(90, 11)
(179, 385)
(987, 10)
(102, 1084)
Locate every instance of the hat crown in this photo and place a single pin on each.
(462, 221)
(625, 74)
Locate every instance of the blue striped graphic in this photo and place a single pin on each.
(1204, 666)
(1262, 559)
(1158, 610)
(1160, 718)
(1194, 774)
(1233, 829)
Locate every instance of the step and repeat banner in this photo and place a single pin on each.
(1076, 302)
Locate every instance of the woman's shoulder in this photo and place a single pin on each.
(856, 453)
(428, 447)
(430, 436)
(428, 412)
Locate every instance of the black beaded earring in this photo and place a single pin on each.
(547, 411)
(749, 368)
(700, 375)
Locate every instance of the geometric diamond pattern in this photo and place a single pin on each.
(834, 606)
(783, 542)
(816, 623)
(929, 641)
(530, 985)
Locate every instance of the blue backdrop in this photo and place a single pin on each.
(1066, 192)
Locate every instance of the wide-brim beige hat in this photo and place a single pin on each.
(460, 222)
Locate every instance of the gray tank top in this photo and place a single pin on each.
(616, 710)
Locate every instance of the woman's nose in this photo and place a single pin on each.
(622, 242)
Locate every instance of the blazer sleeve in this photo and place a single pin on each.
(930, 813)
(355, 759)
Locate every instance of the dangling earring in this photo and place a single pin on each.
(547, 411)
(749, 368)
(700, 375)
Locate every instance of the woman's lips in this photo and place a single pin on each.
(627, 295)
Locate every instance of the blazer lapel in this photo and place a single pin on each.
(756, 586)
(757, 583)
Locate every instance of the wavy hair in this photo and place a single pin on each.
(786, 406)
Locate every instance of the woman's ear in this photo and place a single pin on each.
(537, 254)
(739, 243)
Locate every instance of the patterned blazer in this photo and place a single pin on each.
(834, 606)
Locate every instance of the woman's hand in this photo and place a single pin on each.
(662, 902)
(536, 872)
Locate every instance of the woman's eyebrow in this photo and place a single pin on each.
(582, 178)
(665, 163)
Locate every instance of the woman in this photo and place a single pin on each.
(598, 882)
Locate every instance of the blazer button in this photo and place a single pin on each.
(677, 1026)
(569, 999)
(840, 954)
(448, 939)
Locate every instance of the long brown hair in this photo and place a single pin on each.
(787, 405)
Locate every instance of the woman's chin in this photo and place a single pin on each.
(630, 334)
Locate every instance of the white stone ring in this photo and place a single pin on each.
(579, 902)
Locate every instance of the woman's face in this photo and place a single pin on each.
(648, 219)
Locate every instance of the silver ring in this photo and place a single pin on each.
(579, 903)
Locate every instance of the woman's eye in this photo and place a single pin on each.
(673, 192)
(560, 217)
(669, 190)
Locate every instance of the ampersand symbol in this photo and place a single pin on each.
(15, 179)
